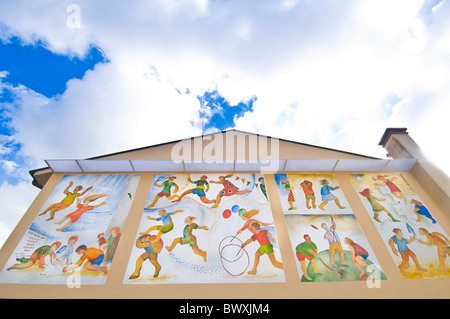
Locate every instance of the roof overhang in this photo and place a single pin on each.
(268, 165)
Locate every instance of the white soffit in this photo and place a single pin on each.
(269, 165)
(157, 166)
(207, 166)
(64, 166)
(286, 165)
(357, 165)
(105, 165)
(401, 164)
(308, 165)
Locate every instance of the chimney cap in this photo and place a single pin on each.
(389, 131)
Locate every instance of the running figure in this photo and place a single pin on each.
(189, 238)
(167, 185)
(67, 201)
(81, 209)
(381, 180)
(266, 247)
(167, 225)
(228, 189)
(201, 186)
(325, 191)
(376, 207)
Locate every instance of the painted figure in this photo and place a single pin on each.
(335, 243)
(201, 187)
(381, 180)
(67, 201)
(309, 193)
(93, 257)
(265, 248)
(307, 250)
(376, 207)
(440, 241)
(64, 254)
(111, 243)
(167, 225)
(420, 210)
(189, 238)
(359, 255)
(247, 217)
(405, 252)
(291, 199)
(167, 185)
(325, 191)
(262, 186)
(39, 254)
(81, 209)
(152, 249)
(228, 189)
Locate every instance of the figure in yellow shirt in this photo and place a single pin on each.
(94, 259)
(67, 201)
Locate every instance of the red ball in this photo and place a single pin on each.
(226, 213)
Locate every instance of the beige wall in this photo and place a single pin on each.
(394, 287)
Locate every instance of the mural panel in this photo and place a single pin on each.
(206, 228)
(416, 241)
(326, 238)
(74, 237)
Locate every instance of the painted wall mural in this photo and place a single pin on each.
(416, 241)
(206, 228)
(74, 237)
(326, 238)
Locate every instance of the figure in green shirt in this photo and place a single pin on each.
(307, 250)
(167, 185)
(201, 187)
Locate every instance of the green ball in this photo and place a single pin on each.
(242, 211)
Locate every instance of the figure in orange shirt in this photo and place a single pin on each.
(94, 259)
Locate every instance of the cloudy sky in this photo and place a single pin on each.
(84, 78)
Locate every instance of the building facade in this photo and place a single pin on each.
(235, 215)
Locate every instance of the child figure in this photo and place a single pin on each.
(189, 238)
(201, 186)
(67, 201)
(325, 191)
(64, 254)
(166, 185)
(228, 189)
(376, 207)
(81, 209)
(167, 225)
(39, 254)
(291, 199)
(94, 258)
(265, 248)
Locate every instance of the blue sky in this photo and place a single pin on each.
(97, 77)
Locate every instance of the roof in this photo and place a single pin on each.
(41, 175)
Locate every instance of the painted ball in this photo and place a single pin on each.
(226, 213)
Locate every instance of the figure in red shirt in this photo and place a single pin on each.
(266, 246)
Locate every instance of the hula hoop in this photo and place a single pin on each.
(221, 260)
(220, 250)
